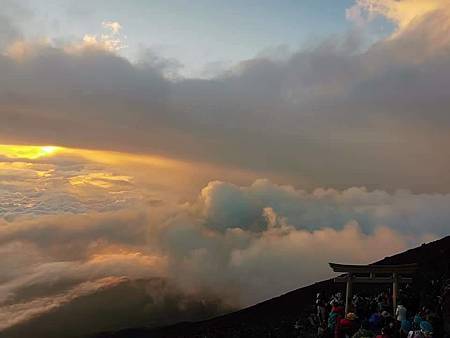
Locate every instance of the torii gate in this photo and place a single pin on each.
(368, 274)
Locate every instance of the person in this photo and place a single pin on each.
(364, 331)
(321, 307)
(426, 331)
(313, 320)
(322, 330)
(375, 322)
(336, 299)
(383, 302)
(334, 317)
(405, 327)
(384, 333)
(433, 318)
(400, 313)
(417, 320)
(348, 325)
(388, 320)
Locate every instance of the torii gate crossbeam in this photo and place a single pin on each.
(354, 272)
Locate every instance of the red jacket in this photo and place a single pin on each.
(347, 327)
(345, 323)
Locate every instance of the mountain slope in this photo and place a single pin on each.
(281, 312)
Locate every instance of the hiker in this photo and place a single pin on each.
(322, 330)
(385, 333)
(364, 331)
(375, 322)
(349, 325)
(383, 302)
(334, 318)
(433, 318)
(417, 320)
(321, 307)
(426, 331)
(400, 313)
(405, 327)
(388, 320)
(337, 299)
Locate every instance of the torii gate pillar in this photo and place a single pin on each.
(394, 290)
(348, 293)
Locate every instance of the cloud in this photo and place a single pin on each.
(351, 125)
(45, 180)
(270, 261)
(224, 205)
(106, 304)
(8, 32)
(114, 26)
(248, 242)
(52, 186)
(13, 314)
(232, 246)
(111, 40)
(55, 232)
(335, 114)
(241, 244)
(12, 16)
(402, 13)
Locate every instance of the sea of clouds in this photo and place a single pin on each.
(370, 122)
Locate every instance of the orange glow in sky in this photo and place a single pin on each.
(27, 152)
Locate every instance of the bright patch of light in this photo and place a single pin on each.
(27, 152)
(100, 179)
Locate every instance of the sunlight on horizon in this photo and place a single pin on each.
(34, 152)
(27, 152)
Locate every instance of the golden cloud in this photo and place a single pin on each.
(402, 13)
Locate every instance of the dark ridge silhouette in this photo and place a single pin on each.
(271, 318)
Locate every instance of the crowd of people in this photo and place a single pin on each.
(375, 317)
(423, 311)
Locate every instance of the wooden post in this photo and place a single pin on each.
(394, 291)
(348, 293)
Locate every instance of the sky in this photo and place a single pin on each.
(214, 146)
(200, 34)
